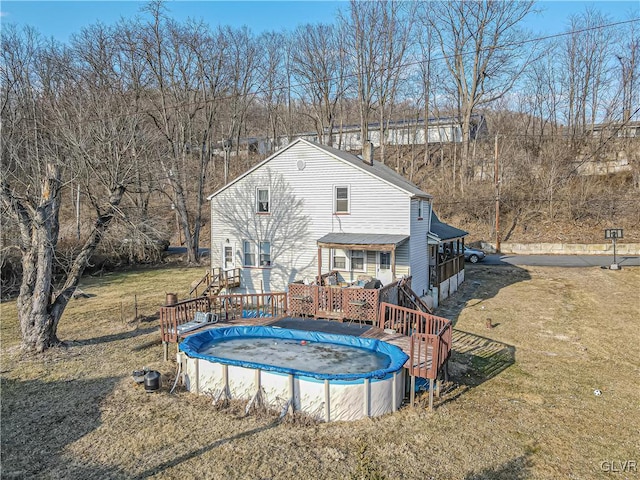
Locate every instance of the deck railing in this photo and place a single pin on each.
(226, 307)
(248, 305)
(451, 267)
(203, 282)
(219, 278)
(179, 313)
(333, 302)
(431, 337)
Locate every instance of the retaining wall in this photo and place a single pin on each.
(565, 248)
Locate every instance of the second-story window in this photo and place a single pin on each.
(420, 209)
(341, 199)
(262, 200)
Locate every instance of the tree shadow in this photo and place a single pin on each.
(285, 226)
(199, 451)
(476, 359)
(40, 419)
(112, 338)
(482, 282)
(515, 469)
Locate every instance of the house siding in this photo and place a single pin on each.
(419, 250)
(302, 211)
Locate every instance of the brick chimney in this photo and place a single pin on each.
(367, 152)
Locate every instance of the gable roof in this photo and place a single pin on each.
(444, 231)
(378, 169)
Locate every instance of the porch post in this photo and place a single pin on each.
(319, 265)
(393, 262)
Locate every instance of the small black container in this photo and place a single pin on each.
(152, 381)
(138, 375)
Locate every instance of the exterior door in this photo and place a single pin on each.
(228, 257)
(383, 270)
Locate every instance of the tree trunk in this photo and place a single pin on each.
(39, 312)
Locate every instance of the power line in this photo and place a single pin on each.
(405, 65)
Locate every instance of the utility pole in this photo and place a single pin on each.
(496, 180)
(226, 145)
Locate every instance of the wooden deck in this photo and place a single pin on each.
(425, 338)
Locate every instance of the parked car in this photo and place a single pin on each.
(473, 256)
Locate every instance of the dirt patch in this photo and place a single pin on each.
(520, 403)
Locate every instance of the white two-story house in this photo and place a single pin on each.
(310, 209)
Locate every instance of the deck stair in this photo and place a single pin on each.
(408, 298)
(214, 281)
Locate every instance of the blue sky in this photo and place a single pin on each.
(61, 19)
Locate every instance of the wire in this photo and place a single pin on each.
(260, 91)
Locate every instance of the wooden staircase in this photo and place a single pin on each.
(215, 281)
(410, 299)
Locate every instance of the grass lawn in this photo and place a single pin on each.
(521, 402)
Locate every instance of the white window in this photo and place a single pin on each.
(262, 200)
(339, 260)
(357, 260)
(341, 195)
(265, 254)
(249, 254)
(420, 209)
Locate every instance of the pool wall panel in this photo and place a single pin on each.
(351, 399)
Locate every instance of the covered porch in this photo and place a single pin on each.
(446, 259)
(359, 257)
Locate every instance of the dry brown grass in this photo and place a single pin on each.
(521, 404)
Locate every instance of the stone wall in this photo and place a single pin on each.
(565, 248)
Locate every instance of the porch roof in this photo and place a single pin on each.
(442, 231)
(362, 241)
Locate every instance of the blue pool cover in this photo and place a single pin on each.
(193, 344)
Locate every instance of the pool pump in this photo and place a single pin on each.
(152, 381)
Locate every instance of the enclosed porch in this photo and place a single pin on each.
(446, 259)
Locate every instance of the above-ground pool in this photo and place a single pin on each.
(329, 377)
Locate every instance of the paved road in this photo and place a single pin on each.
(561, 260)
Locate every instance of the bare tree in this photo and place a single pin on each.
(364, 47)
(586, 58)
(629, 60)
(55, 131)
(542, 97)
(395, 30)
(185, 65)
(480, 42)
(241, 61)
(319, 66)
(274, 92)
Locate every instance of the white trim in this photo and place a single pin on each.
(260, 244)
(232, 246)
(268, 210)
(364, 261)
(335, 199)
(252, 250)
(344, 254)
